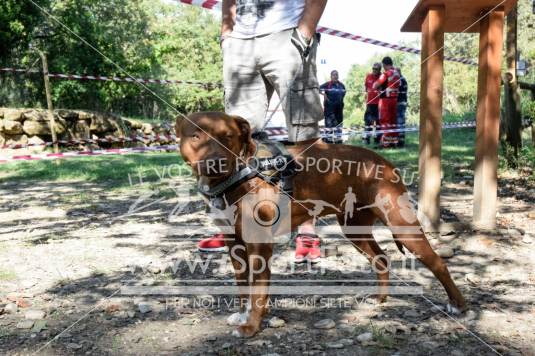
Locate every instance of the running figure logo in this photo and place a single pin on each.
(350, 199)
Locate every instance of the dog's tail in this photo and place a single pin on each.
(400, 246)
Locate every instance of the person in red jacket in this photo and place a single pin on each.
(371, 117)
(388, 83)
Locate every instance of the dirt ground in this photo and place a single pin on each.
(66, 249)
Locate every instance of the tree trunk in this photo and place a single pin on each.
(513, 114)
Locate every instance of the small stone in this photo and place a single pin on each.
(276, 322)
(472, 278)
(112, 308)
(365, 337)
(65, 335)
(211, 338)
(144, 307)
(257, 343)
(411, 314)
(335, 345)
(25, 324)
(346, 342)
(350, 317)
(38, 326)
(325, 324)
(456, 353)
(154, 269)
(226, 345)
(531, 215)
(527, 240)
(74, 346)
(470, 315)
(35, 314)
(430, 345)
(131, 313)
(445, 252)
(11, 308)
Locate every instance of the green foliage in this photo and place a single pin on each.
(143, 38)
(17, 22)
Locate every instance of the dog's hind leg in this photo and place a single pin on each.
(359, 231)
(411, 235)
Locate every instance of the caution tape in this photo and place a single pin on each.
(216, 4)
(115, 79)
(275, 133)
(271, 131)
(108, 139)
(72, 154)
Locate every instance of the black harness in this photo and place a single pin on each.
(271, 162)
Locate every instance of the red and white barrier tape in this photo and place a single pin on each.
(276, 133)
(272, 131)
(216, 4)
(115, 79)
(112, 151)
(108, 139)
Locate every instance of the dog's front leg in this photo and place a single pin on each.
(259, 258)
(239, 259)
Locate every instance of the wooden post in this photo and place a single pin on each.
(513, 113)
(48, 92)
(431, 115)
(488, 120)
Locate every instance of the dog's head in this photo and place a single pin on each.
(214, 143)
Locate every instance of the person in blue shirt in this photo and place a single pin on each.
(334, 93)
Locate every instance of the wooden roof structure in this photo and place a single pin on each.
(461, 15)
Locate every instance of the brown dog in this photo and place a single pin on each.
(338, 170)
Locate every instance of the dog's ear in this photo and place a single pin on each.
(245, 135)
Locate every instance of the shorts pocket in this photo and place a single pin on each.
(305, 105)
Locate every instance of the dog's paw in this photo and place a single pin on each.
(453, 310)
(237, 319)
(245, 331)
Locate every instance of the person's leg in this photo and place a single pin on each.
(246, 95)
(339, 123)
(368, 122)
(294, 79)
(401, 118)
(375, 121)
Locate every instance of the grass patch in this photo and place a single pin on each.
(117, 172)
(458, 153)
(112, 171)
(6, 275)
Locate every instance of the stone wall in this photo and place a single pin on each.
(23, 126)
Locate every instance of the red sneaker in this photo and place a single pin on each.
(215, 243)
(307, 246)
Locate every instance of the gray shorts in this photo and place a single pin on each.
(254, 68)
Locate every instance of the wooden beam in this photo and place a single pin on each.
(432, 84)
(488, 120)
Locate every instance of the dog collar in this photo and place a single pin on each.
(237, 178)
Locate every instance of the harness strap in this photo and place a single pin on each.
(236, 179)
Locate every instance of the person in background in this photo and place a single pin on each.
(268, 46)
(371, 117)
(402, 108)
(388, 83)
(334, 93)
